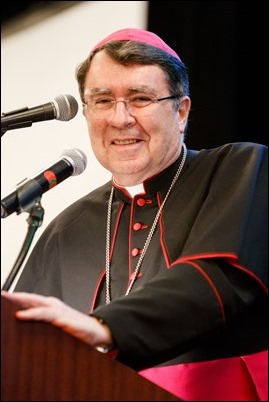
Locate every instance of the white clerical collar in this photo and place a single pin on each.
(132, 190)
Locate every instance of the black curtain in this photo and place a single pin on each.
(225, 47)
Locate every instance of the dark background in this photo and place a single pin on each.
(225, 47)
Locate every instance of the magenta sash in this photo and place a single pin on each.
(243, 378)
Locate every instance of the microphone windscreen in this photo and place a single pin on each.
(77, 158)
(66, 107)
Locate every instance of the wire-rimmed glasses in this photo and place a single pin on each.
(137, 105)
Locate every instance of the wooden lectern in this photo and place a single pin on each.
(40, 362)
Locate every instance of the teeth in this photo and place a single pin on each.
(124, 142)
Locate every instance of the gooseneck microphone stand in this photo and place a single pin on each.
(35, 219)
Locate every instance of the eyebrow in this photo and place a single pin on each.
(98, 91)
(130, 91)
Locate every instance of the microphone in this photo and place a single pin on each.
(72, 163)
(63, 107)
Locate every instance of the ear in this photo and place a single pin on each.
(183, 112)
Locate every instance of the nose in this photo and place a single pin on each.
(120, 115)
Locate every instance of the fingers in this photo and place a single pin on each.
(27, 300)
(36, 314)
(34, 307)
(52, 310)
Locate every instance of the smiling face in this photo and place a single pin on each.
(133, 148)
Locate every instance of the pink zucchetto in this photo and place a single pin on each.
(139, 35)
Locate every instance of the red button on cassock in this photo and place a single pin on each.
(141, 202)
(135, 252)
(137, 226)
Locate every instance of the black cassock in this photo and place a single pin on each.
(201, 294)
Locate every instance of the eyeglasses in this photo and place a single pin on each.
(137, 105)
